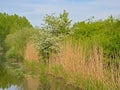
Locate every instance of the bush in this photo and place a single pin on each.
(46, 44)
(16, 43)
(103, 33)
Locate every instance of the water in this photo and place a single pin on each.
(14, 78)
(10, 88)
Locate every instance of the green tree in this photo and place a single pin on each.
(105, 33)
(16, 43)
(10, 24)
(57, 25)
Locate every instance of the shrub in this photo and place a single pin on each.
(16, 43)
(46, 44)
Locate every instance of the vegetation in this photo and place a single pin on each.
(45, 44)
(16, 47)
(48, 38)
(9, 25)
(86, 54)
(57, 25)
(104, 33)
(10, 75)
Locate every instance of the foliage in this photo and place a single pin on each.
(105, 33)
(95, 35)
(46, 44)
(91, 84)
(16, 43)
(12, 23)
(47, 39)
(56, 69)
(57, 25)
(10, 76)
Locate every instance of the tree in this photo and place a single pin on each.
(10, 24)
(46, 44)
(16, 43)
(57, 25)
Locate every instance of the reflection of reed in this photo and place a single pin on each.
(31, 83)
(46, 82)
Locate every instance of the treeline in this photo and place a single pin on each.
(10, 24)
(103, 33)
(15, 30)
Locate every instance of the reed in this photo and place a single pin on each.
(80, 64)
(84, 63)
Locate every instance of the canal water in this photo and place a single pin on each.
(14, 77)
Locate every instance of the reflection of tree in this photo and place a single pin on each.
(44, 82)
(52, 83)
(7, 78)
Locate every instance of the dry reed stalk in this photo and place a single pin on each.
(73, 60)
(31, 53)
(95, 63)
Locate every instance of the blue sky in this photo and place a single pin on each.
(78, 10)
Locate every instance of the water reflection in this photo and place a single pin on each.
(11, 88)
(46, 82)
(51, 83)
(9, 79)
(16, 79)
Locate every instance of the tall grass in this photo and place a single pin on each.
(83, 63)
(80, 63)
(31, 53)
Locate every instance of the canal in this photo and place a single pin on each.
(14, 77)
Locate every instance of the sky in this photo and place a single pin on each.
(78, 10)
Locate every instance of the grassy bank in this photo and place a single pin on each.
(86, 56)
(81, 66)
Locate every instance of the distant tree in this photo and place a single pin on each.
(48, 38)
(106, 33)
(16, 43)
(57, 25)
(10, 24)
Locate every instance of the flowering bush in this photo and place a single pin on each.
(46, 44)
